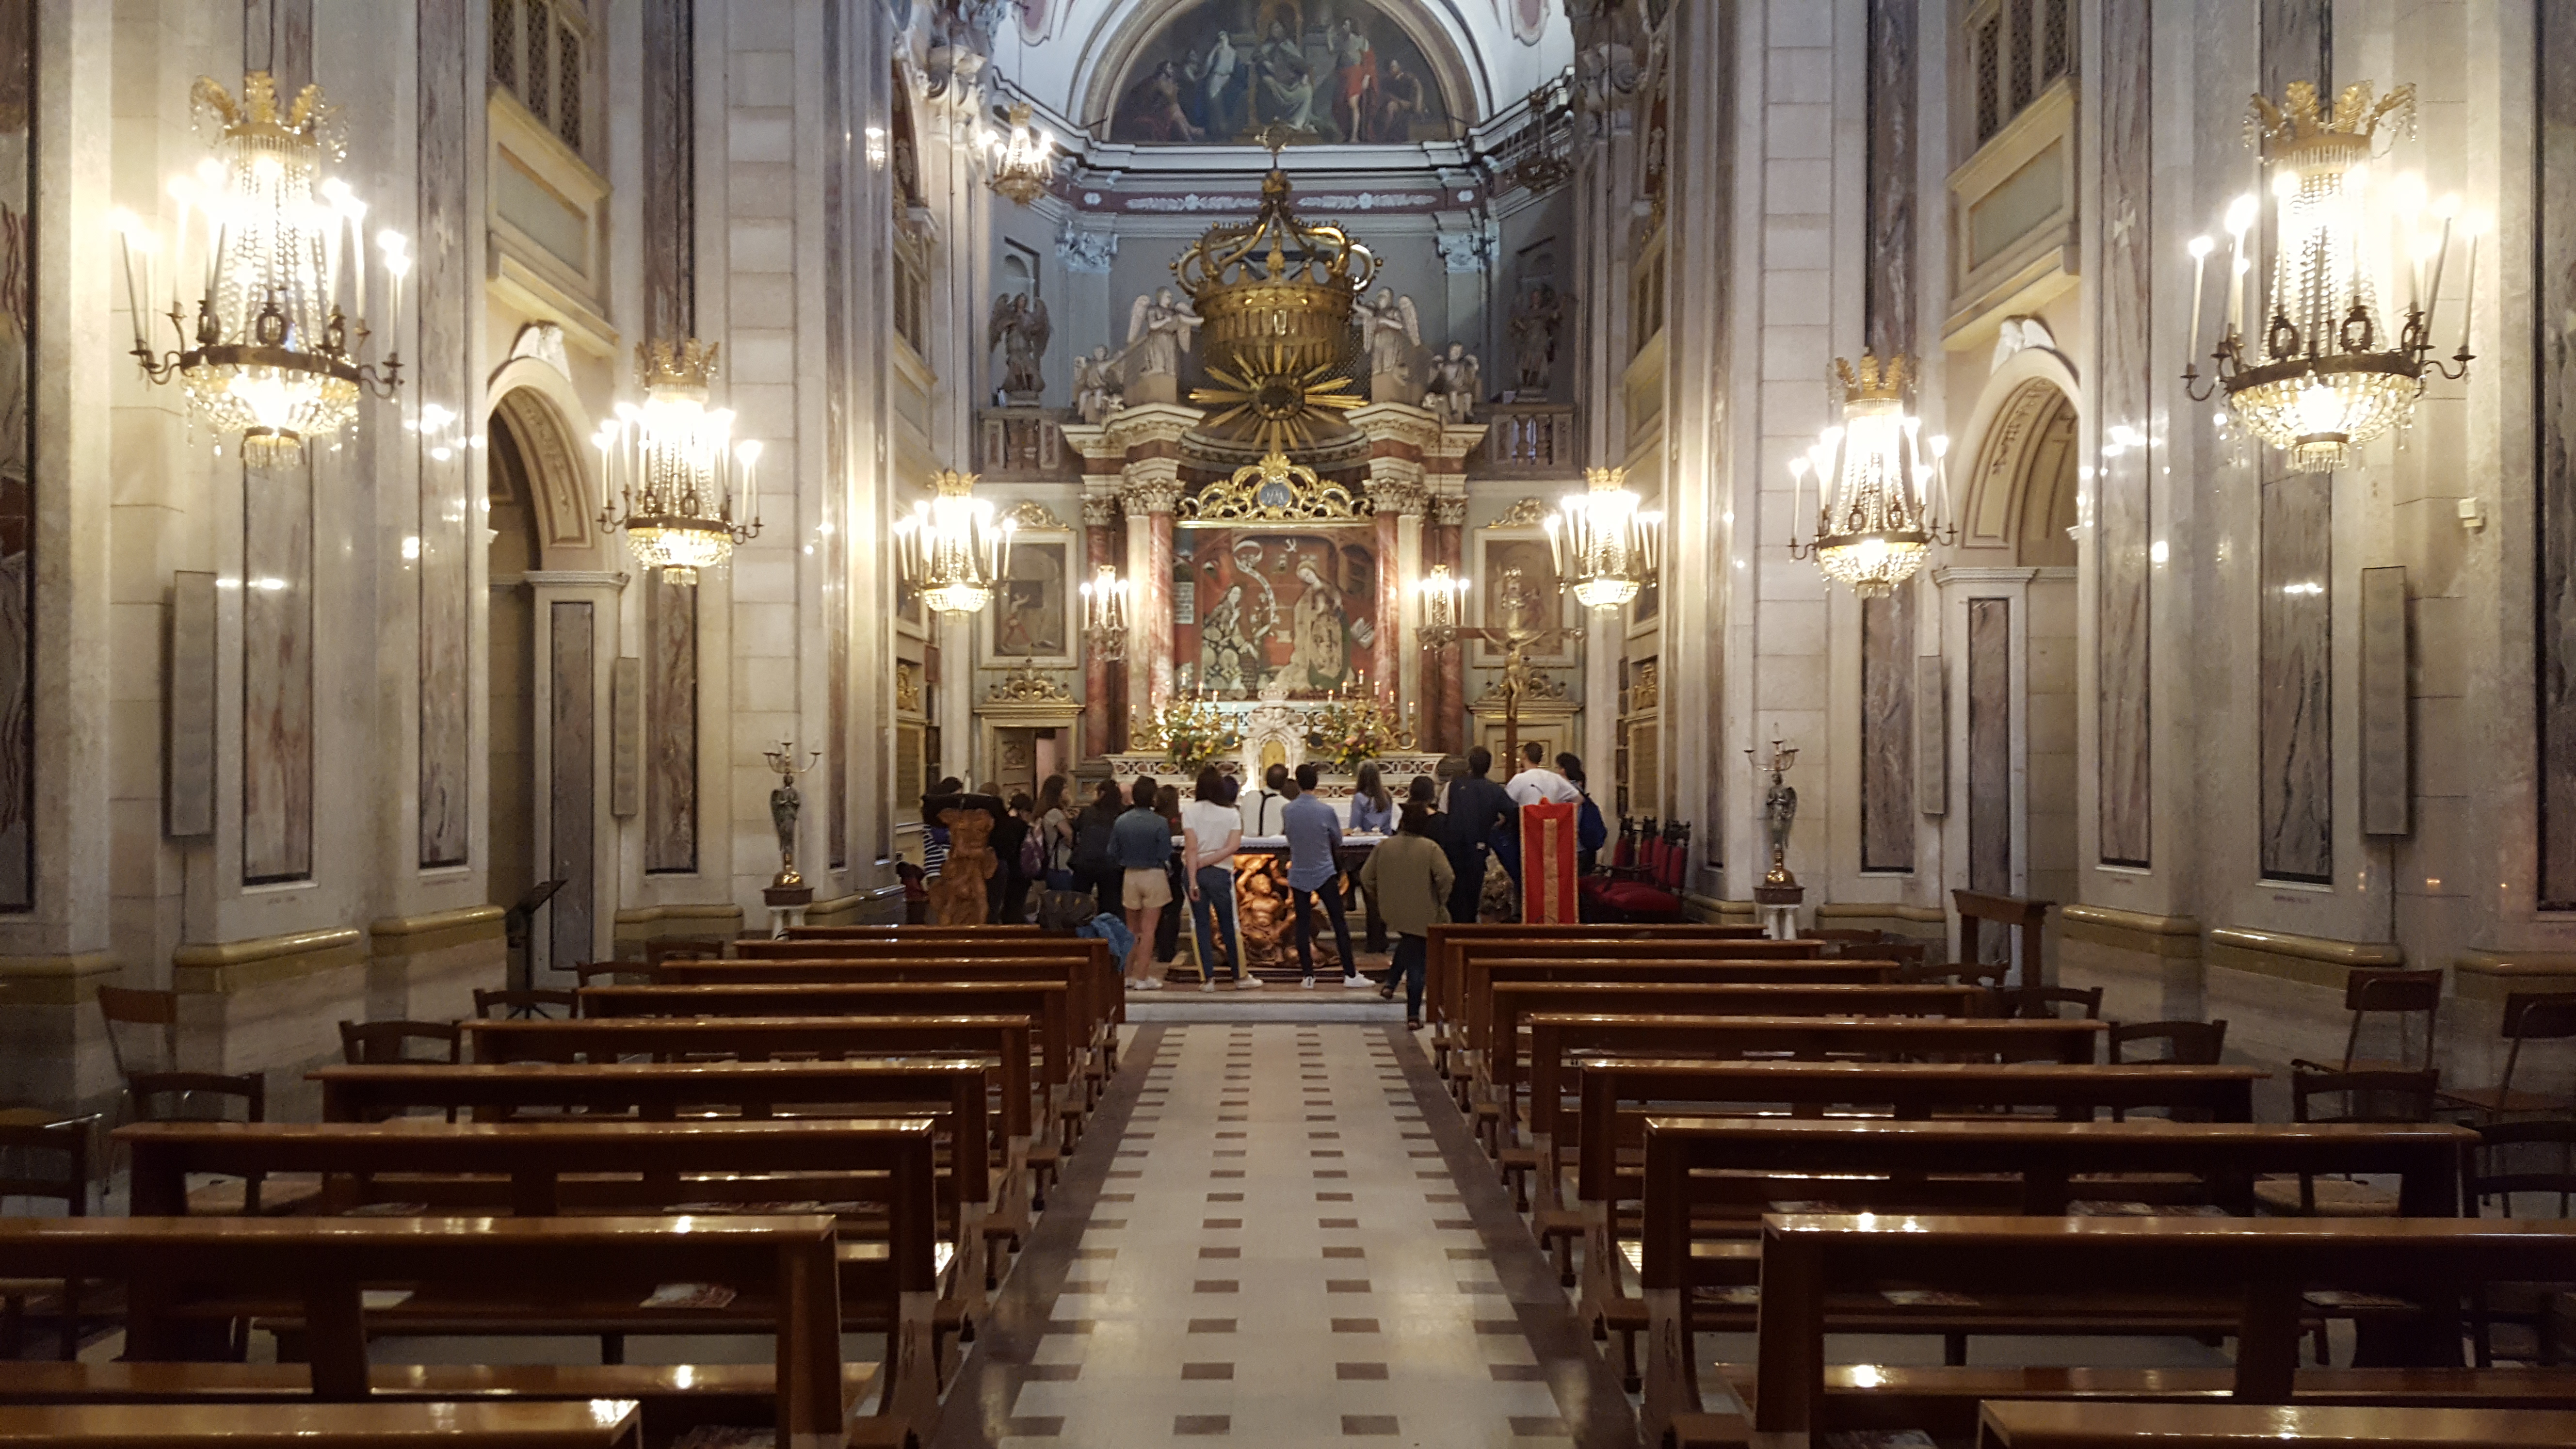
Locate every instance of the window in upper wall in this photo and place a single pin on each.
(2016, 49)
(538, 49)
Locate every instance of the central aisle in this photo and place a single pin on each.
(1279, 1251)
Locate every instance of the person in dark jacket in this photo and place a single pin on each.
(1095, 856)
(1477, 808)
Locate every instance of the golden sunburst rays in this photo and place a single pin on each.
(1274, 401)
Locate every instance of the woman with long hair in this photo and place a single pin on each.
(1372, 813)
(1055, 828)
(1211, 832)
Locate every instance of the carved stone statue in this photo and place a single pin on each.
(1159, 329)
(1391, 332)
(1098, 385)
(785, 803)
(1779, 812)
(1457, 379)
(1019, 328)
(1535, 324)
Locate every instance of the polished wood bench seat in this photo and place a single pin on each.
(2223, 1426)
(187, 1276)
(598, 1424)
(1448, 945)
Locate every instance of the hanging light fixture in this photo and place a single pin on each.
(1023, 158)
(672, 468)
(953, 553)
(1104, 613)
(2326, 372)
(1605, 548)
(1878, 485)
(1444, 601)
(275, 266)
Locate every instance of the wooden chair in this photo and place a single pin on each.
(2536, 1156)
(528, 1003)
(2034, 1002)
(605, 973)
(28, 1133)
(2187, 1043)
(381, 1043)
(155, 1090)
(1650, 890)
(2528, 1016)
(2380, 991)
(2369, 1096)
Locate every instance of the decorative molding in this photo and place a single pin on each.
(1404, 497)
(1025, 685)
(1086, 251)
(575, 579)
(1142, 497)
(1465, 251)
(1099, 510)
(1194, 202)
(907, 687)
(1449, 511)
(1540, 686)
(1528, 513)
(1035, 515)
(1274, 490)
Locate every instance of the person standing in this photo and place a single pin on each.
(1591, 831)
(1211, 831)
(1095, 850)
(1263, 808)
(1410, 876)
(1142, 841)
(1009, 887)
(1372, 813)
(1537, 784)
(1477, 808)
(1314, 836)
(1167, 931)
(1055, 827)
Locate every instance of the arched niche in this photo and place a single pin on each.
(545, 416)
(2018, 494)
(1116, 58)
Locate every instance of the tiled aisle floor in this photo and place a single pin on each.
(1279, 1252)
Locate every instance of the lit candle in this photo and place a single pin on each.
(2201, 247)
(2469, 297)
(1797, 495)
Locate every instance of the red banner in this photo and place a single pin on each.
(1548, 850)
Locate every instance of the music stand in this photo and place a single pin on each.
(515, 924)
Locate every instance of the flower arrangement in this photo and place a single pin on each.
(1352, 730)
(1190, 732)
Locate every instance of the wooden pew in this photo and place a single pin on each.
(1042, 1002)
(907, 932)
(2044, 1425)
(1499, 1063)
(1616, 1093)
(600, 1424)
(1813, 1266)
(890, 1273)
(1480, 973)
(1445, 944)
(185, 1275)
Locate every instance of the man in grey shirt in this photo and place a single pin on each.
(1314, 839)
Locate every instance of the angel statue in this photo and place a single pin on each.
(1019, 328)
(1534, 329)
(1159, 330)
(1097, 384)
(1457, 378)
(1391, 330)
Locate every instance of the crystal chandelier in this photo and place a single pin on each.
(1878, 485)
(1444, 600)
(1023, 160)
(1605, 549)
(1104, 613)
(672, 468)
(952, 551)
(2327, 373)
(272, 353)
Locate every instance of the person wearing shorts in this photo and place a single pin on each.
(1142, 843)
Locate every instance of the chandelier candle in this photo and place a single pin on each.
(671, 469)
(1879, 485)
(952, 553)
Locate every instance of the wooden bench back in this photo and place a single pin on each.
(1448, 945)
(1043, 1002)
(907, 932)
(508, 1424)
(2266, 1265)
(1480, 973)
(1514, 1002)
(1094, 996)
(2062, 1424)
(178, 1268)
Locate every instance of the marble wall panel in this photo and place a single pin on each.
(277, 36)
(2297, 730)
(837, 450)
(670, 169)
(441, 370)
(1887, 731)
(1888, 300)
(670, 725)
(2297, 44)
(2554, 347)
(572, 762)
(2126, 392)
(17, 456)
(277, 670)
(1990, 696)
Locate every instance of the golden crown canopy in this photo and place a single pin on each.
(1274, 490)
(2300, 133)
(310, 123)
(688, 365)
(1870, 382)
(1278, 283)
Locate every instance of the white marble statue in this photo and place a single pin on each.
(1457, 379)
(1019, 328)
(1098, 385)
(1391, 330)
(1159, 329)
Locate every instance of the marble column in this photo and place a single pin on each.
(1099, 548)
(1448, 528)
(2127, 391)
(2554, 444)
(1151, 489)
(1402, 571)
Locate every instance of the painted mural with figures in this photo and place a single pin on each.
(1255, 608)
(1340, 71)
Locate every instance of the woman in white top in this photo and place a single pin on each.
(1211, 831)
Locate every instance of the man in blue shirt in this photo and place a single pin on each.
(1314, 837)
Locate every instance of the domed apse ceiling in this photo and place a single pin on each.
(1219, 72)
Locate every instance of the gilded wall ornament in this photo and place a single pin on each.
(1274, 490)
